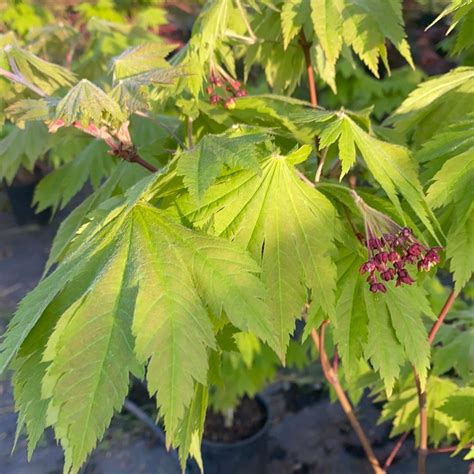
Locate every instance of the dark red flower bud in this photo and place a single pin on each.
(382, 288)
(388, 275)
(214, 99)
(374, 287)
(393, 257)
(415, 249)
(241, 93)
(210, 90)
(372, 278)
(406, 232)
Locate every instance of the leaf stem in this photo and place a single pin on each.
(331, 376)
(319, 170)
(245, 19)
(21, 80)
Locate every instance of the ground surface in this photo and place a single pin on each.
(308, 435)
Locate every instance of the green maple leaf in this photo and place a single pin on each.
(285, 224)
(139, 59)
(434, 104)
(451, 189)
(294, 14)
(133, 292)
(47, 76)
(86, 103)
(391, 165)
(403, 408)
(22, 147)
(327, 24)
(456, 353)
(363, 320)
(366, 25)
(61, 185)
(460, 241)
(456, 408)
(201, 165)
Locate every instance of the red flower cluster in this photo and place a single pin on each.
(224, 89)
(391, 248)
(390, 253)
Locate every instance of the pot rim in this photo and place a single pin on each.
(252, 438)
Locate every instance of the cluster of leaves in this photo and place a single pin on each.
(193, 277)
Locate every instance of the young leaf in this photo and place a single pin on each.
(47, 76)
(88, 104)
(140, 59)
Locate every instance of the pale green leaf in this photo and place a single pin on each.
(327, 24)
(201, 165)
(294, 14)
(142, 58)
(88, 104)
(286, 225)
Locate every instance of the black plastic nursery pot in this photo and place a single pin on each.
(246, 456)
(21, 198)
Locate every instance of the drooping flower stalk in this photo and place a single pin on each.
(223, 87)
(390, 249)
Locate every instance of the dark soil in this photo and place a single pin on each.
(249, 417)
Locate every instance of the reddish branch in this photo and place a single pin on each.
(442, 315)
(395, 450)
(309, 69)
(312, 96)
(450, 449)
(331, 376)
(422, 398)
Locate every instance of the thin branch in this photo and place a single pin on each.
(331, 376)
(444, 311)
(309, 70)
(395, 450)
(432, 334)
(450, 449)
(423, 448)
(304, 178)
